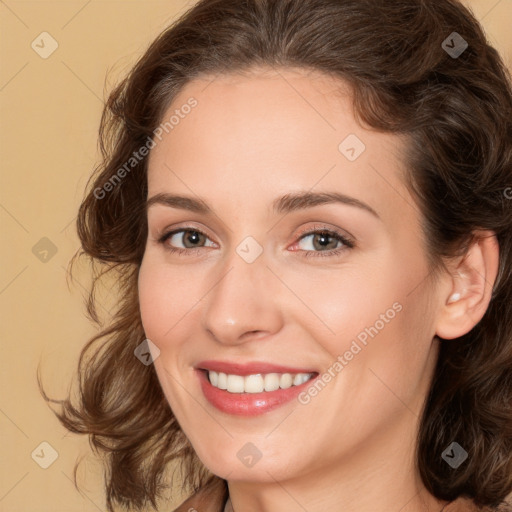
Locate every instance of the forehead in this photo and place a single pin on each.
(268, 132)
(246, 111)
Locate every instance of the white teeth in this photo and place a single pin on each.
(222, 381)
(300, 378)
(286, 381)
(253, 384)
(235, 384)
(271, 381)
(214, 378)
(256, 383)
(297, 380)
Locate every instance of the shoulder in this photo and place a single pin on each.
(504, 506)
(466, 505)
(210, 498)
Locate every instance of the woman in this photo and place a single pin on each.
(306, 205)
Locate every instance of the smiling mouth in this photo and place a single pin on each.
(256, 383)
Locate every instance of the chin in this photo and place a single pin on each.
(244, 462)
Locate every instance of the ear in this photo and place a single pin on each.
(469, 287)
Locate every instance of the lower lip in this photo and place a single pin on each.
(248, 404)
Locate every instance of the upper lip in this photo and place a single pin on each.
(249, 368)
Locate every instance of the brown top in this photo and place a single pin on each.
(210, 498)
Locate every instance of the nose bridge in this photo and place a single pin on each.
(243, 298)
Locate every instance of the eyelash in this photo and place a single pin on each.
(348, 244)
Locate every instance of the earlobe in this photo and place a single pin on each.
(470, 287)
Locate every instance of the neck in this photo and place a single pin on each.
(377, 476)
(414, 505)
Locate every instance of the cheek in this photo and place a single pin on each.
(372, 320)
(348, 301)
(166, 296)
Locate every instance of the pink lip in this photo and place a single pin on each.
(248, 404)
(249, 368)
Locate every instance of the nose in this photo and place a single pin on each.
(243, 303)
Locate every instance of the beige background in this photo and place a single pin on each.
(49, 120)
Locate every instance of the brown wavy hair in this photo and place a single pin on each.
(456, 115)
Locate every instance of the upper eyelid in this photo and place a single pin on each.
(321, 227)
(173, 231)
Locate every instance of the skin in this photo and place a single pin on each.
(253, 138)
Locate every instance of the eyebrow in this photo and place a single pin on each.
(285, 204)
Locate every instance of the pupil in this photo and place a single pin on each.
(324, 240)
(192, 234)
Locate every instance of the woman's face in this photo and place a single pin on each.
(260, 278)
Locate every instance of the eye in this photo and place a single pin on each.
(322, 241)
(189, 238)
